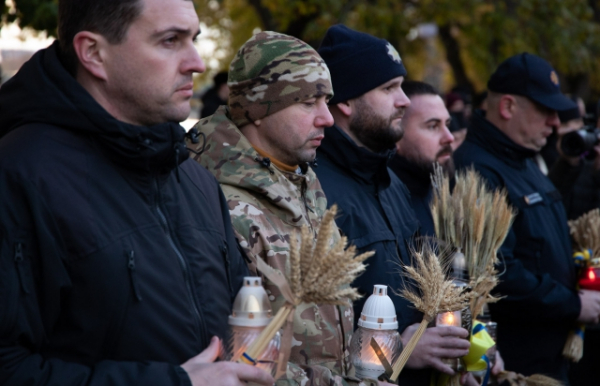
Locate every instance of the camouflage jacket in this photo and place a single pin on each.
(267, 207)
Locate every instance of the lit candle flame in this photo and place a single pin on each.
(592, 275)
(449, 319)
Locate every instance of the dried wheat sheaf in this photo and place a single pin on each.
(586, 232)
(322, 274)
(474, 220)
(431, 293)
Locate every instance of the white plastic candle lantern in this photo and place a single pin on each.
(251, 314)
(377, 322)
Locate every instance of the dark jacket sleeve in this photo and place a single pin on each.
(531, 295)
(238, 259)
(32, 280)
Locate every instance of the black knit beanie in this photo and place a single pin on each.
(358, 62)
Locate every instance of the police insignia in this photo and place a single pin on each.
(393, 53)
(554, 78)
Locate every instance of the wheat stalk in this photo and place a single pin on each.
(432, 294)
(317, 274)
(515, 379)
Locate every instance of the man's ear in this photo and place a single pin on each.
(507, 106)
(89, 48)
(345, 107)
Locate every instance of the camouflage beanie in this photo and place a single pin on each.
(272, 71)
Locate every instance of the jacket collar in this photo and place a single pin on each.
(44, 92)
(230, 157)
(483, 133)
(417, 180)
(365, 165)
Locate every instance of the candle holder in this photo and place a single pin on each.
(251, 314)
(376, 343)
(462, 318)
(590, 278)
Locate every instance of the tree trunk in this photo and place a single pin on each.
(453, 57)
(264, 14)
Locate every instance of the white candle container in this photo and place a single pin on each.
(377, 321)
(251, 314)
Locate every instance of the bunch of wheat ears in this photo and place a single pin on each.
(586, 232)
(432, 293)
(474, 220)
(317, 273)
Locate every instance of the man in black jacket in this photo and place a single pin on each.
(376, 215)
(540, 303)
(427, 139)
(117, 258)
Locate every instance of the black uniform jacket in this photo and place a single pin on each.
(112, 272)
(418, 182)
(375, 215)
(540, 302)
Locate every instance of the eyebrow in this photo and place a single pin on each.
(181, 31)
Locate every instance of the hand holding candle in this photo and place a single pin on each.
(434, 294)
(586, 236)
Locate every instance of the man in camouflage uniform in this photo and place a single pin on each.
(259, 148)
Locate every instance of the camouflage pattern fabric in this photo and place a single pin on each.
(268, 207)
(272, 71)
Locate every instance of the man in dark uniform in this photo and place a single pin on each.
(540, 303)
(376, 214)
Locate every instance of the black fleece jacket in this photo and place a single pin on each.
(112, 272)
(418, 182)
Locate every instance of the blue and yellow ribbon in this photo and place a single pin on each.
(582, 258)
(476, 359)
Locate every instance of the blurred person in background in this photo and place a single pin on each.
(215, 96)
(459, 110)
(578, 180)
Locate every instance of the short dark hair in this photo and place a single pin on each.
(413, 88)
(110, 18)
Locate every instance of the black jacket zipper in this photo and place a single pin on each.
(133, 276)
(19, 261)
(225, 253)
(185, 269)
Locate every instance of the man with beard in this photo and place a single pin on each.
(376, 215)
(427, 140)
